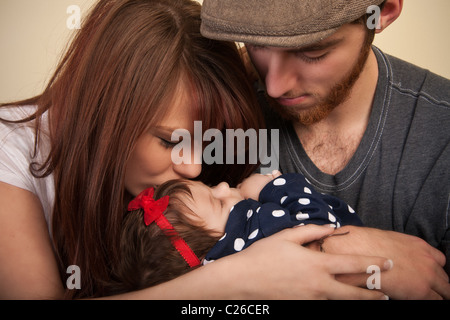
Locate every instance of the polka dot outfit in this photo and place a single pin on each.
(285, 202)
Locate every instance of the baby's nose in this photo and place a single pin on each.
(221, 190)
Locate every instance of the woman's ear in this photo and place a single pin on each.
(391, 11)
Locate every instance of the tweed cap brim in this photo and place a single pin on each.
(279, 23)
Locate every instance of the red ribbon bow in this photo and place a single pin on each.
(153, 209)
(154, 212)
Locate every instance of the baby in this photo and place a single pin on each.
(187, 222)
(263, 205)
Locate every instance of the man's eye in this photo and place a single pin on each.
(311, 57)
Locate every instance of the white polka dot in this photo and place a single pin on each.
(283, 199)
(304, 201)
(302, 216)
(223, 237)
(350, 209)
(279, 182)
(249, 214)
(278, 213)
(231, 209)
(307, 190)
(253, 234)
(239, 244)
(205, 262)
(331, 217)
(257, 210)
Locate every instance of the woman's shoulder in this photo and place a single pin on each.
(10, 130)
(16, 134)
(14, 113)
(17, 152)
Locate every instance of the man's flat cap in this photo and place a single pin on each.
(281, 23)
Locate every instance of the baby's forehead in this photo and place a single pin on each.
(196, 184)
(197, 188)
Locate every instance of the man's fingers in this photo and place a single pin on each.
(442, 288)
(438, 256)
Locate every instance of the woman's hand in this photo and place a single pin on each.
(277, 267)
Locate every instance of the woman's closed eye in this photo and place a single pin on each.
(168, 144)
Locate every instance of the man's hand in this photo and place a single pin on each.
(418, 268)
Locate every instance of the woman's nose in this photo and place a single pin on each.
(193, 167)
(188, 171)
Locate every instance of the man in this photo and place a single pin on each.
(359, 124)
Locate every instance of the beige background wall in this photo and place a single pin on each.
(34, 32)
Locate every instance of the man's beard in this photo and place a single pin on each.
(339, 93)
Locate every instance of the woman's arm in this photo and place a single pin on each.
(28, 269)
(277, 267)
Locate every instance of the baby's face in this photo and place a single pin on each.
(212, 206)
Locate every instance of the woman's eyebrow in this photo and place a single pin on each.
(165, 129)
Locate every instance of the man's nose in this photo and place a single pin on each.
(280, 77)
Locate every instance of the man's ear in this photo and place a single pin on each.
(391, 11)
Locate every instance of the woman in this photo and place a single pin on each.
(100, 133)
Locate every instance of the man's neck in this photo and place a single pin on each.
(332, 142)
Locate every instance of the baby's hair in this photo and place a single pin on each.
(147, 256)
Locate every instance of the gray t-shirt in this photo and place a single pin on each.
(399, 177)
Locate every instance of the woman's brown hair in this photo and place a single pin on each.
(115, 81)
(147, 255)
